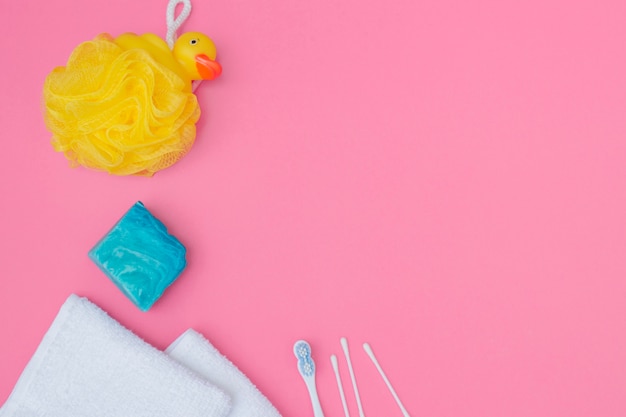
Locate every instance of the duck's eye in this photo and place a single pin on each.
(193, 41)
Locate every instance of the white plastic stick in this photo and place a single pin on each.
(344, 345)
(370, 353)
(333, 361)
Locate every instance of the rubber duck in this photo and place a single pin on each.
(125, 105)
(192, 58)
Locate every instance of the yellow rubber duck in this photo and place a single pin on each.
(193, 56)
(125, 105)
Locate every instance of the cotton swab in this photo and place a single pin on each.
(370, 353)
(344, 345)
(333, 361)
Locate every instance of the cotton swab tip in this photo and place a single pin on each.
(344, 343)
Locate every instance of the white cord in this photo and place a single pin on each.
(175, 22)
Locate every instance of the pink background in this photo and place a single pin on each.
(445, 180)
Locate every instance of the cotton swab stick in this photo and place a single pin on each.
(344, 345)
(333, 361)
(370, 353)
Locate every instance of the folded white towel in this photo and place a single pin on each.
(89, 365)
(194, 351)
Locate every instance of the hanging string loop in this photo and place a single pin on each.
(175, 22)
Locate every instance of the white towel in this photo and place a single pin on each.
(194, 351)
(89, 365)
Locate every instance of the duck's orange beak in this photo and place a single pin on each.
(208, 68)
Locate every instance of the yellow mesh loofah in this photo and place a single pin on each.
(119, 110)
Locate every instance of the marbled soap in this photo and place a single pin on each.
(140, 256)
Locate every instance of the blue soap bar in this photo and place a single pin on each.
(140, 256)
